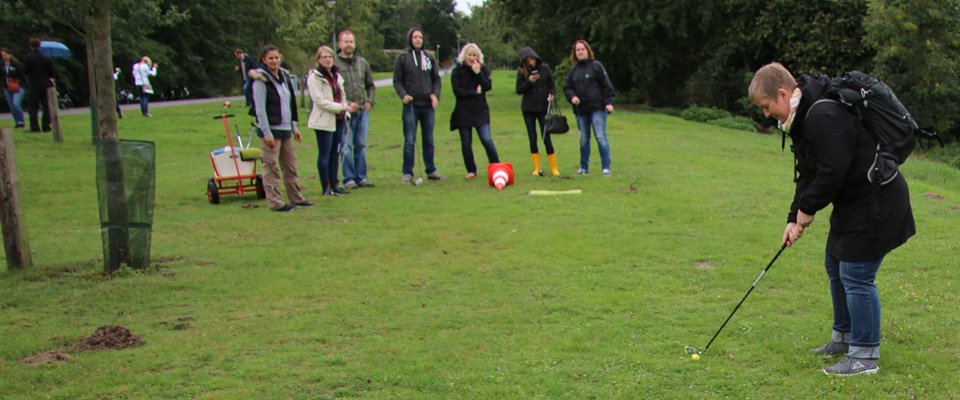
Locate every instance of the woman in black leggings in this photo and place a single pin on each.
(535, 83)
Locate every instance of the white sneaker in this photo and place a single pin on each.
(606, 172)
(581, 171)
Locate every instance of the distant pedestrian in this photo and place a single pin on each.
(360, 90)
(245, 63)
(535, 83)
(589, 89)
(275, 107)
(470, 81)
(116, 78)
(416, 79)
(39, 72)
(142, 71)
(328, 117)
(14, 85)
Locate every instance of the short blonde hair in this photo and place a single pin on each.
(768, 79)
(468, 48)
(321, 50)
(146, 60)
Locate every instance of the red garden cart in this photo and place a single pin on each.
(234, 168)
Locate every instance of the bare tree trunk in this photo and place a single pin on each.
(15, 241)
(100, 61)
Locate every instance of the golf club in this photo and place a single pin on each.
(693, 350)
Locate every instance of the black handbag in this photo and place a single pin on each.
(555, 122)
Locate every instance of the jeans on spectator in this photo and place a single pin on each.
(856, 304)
(466, 146)
(598, 121)
(328, 155)
(355, 147)
(425, 117)
(14, 101)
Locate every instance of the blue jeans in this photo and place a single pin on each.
(355, 147)
(328, 155)
(597, 120)
(531, 119)
(144, 101)
(856, 304)
(466, 146)
(411, 116)
(14, 100)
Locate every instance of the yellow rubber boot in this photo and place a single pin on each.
(552, 158)
(536, 164)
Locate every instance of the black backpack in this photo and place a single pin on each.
(882, 114)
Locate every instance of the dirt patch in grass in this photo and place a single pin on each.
(703, 264)
(47, 357)
(933, 196)
(110, 337)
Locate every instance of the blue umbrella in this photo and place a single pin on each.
(54, 49)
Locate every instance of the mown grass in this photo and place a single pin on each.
(455, 290)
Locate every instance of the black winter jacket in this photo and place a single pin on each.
(588, 80)
(534, 94)
(833, 154)
(38, 69)
(416, 73)
(471, 109)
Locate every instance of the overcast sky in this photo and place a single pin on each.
(464, 5)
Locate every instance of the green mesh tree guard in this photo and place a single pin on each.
(138, 180)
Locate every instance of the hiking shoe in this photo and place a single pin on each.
(364, 183)
(606, 172)
(351, 185)
(832, 349)
(285, 208)
(435, 176)
(853, 366)
(582, 171)
(406, 179)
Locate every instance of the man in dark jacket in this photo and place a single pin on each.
(416, 79)
(833, 152)
(39, 72)
(360, 89)
(245, 63)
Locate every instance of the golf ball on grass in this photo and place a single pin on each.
(419, 181)
(695, 357)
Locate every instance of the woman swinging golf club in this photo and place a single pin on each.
(833, 152)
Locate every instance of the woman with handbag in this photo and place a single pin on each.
(535, 83)
(142, 71)
(11, 76)
(589, 89)
(471, 82)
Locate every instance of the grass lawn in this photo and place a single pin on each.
(453, 290)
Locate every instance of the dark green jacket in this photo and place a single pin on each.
(357, 77)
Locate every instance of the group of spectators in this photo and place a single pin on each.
(342, 92)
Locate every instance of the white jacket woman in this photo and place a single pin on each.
(327, 118)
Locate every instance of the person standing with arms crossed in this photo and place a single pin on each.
(833, 152)
(416, 80)
(359, 88)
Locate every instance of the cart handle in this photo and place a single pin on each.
(223, 116)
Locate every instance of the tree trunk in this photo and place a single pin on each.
(11, 215)
(100, 61)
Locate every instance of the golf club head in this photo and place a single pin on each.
(688, 350)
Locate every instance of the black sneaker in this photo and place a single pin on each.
(285, 208)
(340, 190)
(853, 366)
(832, 349)
(305, 203)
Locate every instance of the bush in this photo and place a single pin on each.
(739, 123)
(703, 114)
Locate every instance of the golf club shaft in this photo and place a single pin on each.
(762, 273)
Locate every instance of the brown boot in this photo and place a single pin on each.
(552, 158)
(536, 164)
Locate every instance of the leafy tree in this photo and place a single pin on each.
(918, 55)
(486, 28)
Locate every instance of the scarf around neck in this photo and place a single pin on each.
(794, 103)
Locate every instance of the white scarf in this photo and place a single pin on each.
(794, 103)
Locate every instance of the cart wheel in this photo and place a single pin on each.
(261, 192)
(212, 194)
